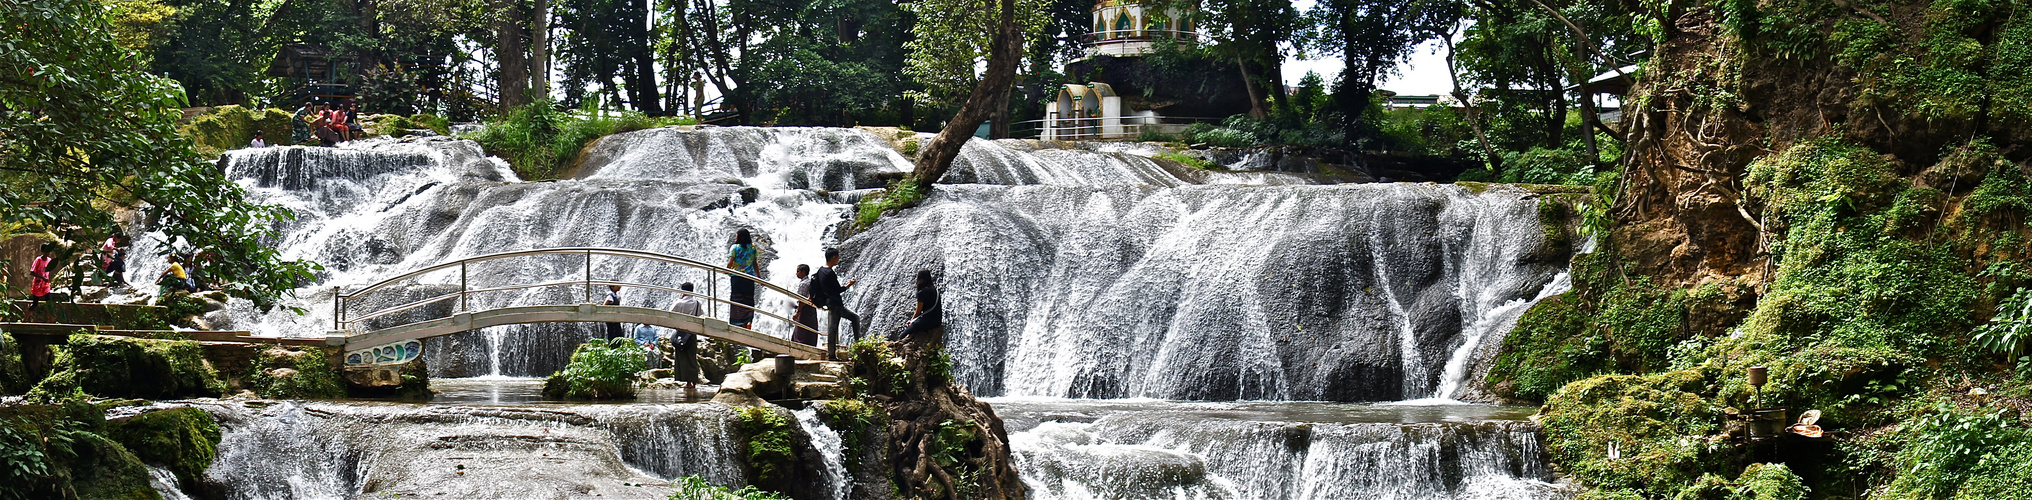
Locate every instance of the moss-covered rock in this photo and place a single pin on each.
(768, 453)
(61, 451)
(128, 367)
(410, 381)
(232, 126)
(184, 440)
(1771, 482)
(1651, 434)
(13, 374)
(285, 373)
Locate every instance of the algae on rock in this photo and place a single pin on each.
(284, 373)
(128, 367)
(184, 440)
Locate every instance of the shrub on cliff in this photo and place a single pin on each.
(128, 367)
(598, 370)
(540, 142)
(770, 458)
(232, 126)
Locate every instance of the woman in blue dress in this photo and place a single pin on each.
(741, 259)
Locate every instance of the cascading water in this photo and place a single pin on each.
(1083, 271)
(341, 450)
(1076, 449)
(1356, 292)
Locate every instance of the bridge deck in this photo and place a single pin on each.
(585, 313)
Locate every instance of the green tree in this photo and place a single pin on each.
(1252, 33)
(1371, 37)
(84, 129)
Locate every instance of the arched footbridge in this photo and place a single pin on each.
(374, 329)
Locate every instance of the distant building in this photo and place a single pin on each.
(1124, 96)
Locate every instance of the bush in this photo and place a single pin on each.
(13, 374)
(598, 370)
(695, 488)
(63, 452)
(541, 143)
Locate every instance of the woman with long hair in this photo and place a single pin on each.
(741, 259)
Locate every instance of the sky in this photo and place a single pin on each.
(1423, 74)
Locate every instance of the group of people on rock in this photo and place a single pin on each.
(112, 261)
(822, 290)
(329, 123)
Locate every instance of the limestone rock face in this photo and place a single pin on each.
(758, 382)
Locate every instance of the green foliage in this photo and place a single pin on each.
(1772, 482)
(1946, 447)
(279, 373)
(903, 194)
(881, 369)
(1659, 427)
(598, 370)
(232, 127)
(13, 374)
(2002, 474)
(937, 365)
(542, 143)
(88, 129)
(1605, 324)
(855, 420)
(768, 435)
(1183, 159)
(128, 367)
(62, 452)
(696, 488)
(184, 440)
(1947, 67)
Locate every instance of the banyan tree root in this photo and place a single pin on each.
(969, 461)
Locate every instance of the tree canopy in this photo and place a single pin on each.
(84, 130)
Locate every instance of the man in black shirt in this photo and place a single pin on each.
(930, 314)
(826, 290)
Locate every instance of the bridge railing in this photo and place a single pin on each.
(343, 320)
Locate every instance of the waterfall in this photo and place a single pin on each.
(831, 450)
(1068, 450)
(346, 450)
(1085, 270)
(164, 483)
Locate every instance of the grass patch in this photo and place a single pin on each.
(541, 143)
(1183, 159)
(903, 194)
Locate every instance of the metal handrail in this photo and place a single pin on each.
(339, 299)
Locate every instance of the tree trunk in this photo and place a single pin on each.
(642, 89)
(1468, 106)
(510, 56)
(539, 50)
(1003, 54)
(998, 126)
(1255, 92)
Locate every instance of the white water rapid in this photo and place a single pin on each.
(1068, 271)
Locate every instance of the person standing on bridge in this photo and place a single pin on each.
(38, 274)
(613, 299)
(684, 364)
(826, 285)
(741, 259)
(806, 330)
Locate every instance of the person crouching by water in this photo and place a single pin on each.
(741, 259)
(930, 317)
(806, 331)
(175, 279)
(613, 299)
(684, 363)
(825, 285)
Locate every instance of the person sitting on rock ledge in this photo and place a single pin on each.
(930, 317)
